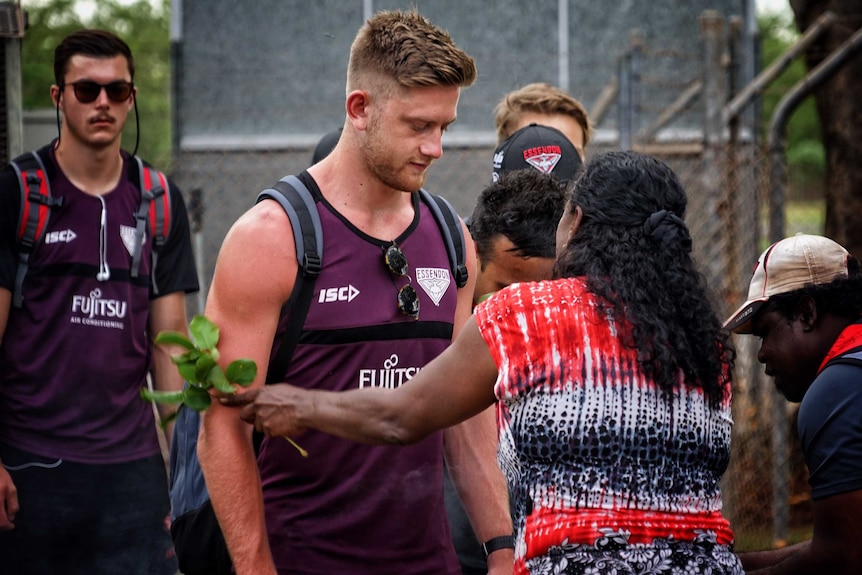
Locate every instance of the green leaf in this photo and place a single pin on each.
(217, 379)
(187, 357)
(199, 367)
(187, 371)
(204, 331)
(163, 423)
(197, 398)
(241, 371)
(165, 397)
(174, 338)
(203, 366)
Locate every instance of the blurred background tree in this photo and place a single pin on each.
(840, 120)
(143, 24)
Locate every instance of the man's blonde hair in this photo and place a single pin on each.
(406, 47)
(538, 98)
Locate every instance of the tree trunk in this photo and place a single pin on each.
(840, 118)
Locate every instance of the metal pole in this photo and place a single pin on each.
(714, 85)
(176, 38)
(637, 48)
(750, 64)
(14, 99)
(712, 159)
(624, 102)
(681, 104)
(731, 188)
(563, 43)
(777, 67)
(196, 218)
(604, 100)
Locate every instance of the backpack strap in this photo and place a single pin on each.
(299, 205)
(453, 235)
(155, 209)
(36, 204)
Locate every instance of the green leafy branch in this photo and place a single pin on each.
(198, 365)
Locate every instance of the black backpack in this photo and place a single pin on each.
(37, 201)
(198, 541)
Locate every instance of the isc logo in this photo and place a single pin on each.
(64, 236)
(346, 293)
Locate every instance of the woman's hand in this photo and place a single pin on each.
(275, 410)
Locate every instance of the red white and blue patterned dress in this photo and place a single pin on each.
(607, 474)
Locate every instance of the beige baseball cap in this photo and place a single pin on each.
(788, 265)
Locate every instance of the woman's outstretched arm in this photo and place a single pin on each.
(457, 384)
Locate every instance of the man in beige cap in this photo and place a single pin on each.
(804, 303)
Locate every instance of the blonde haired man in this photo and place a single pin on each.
(547, 105)
(350, 508)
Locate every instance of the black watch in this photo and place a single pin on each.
(497, 543)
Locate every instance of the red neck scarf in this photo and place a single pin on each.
(848, 339)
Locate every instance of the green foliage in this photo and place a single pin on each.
(199, 367)
(808, 155)
(805, 152)
(144, 25)
(241, 371)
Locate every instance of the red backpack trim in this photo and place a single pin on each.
(38, 182)
(37, 201)
(160, 223)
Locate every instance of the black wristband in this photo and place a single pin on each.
(497, 543)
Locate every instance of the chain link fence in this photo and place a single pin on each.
(765, 490)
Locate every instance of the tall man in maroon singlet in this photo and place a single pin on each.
(349, 508)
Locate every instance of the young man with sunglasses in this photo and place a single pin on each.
(82, 483)
(385, 304)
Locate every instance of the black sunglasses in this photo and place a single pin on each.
(87, 91)
(408, 299)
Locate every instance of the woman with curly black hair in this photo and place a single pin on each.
(637, 260)
(612, 385)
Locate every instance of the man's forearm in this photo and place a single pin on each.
(167, 313)
(233, 482)
(471, 453)
(754, 560)
(166, 378)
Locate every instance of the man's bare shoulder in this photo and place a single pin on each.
(259, 250)
(265, 215)
(264, 226)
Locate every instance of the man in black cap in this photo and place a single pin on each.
(512, 225)
(542, 148)
(805, 304)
